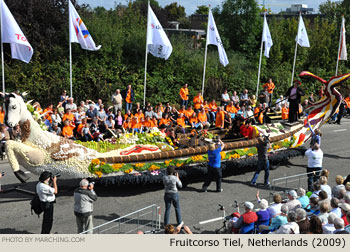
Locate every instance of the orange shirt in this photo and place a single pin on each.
(80, 129)
(189, 113)
(256, 112)
(202, 117)
(67, 131)
(164, 121)
(213, 107)
(198, 101)
(126, 116)
(2, 116)
(270, 87)
(148, 123)
(155, 122)
(139, 116)
(127, 125)
(206, 108)
(231, 109)
(193, 120)
(135, 124)
(69, 117)
(181, 122)
(183, 111)
(128, 97)
(220, 119)
(347, 101)
(285, 113)
(184, 94)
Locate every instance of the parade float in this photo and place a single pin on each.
(140, 159)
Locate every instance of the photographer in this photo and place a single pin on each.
(214, 165)
(46, 190)
(84, 197)
(171, 196)
(263, 161)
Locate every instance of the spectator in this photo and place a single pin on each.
(275, 208)
(339, 180)
(291, 227)
(46, 190)
(304, 200)
(128, 95)
(264, 96)
(102, 117)
(117, 101)
(270, 87)
(198, 101)
(339, 226)
(171, 196)
(252, 101)
(63, 98)
(293, 203)
(334, 207)
(323, 215)
(329, 228)
(203, 118)
(4, 136)
(244, 98)
(316, 189)
(214, 165)
(246, 221)
(69, 116)
(55, 129)
(279, 103)
(184, 95)
(220, 118)
(302, 221)
(347, 227)
(170, 229)
(15, 132)
(83, 106)
(56, 118)
(314, 165)
(315, 225)
(345, 208)
(263, 161)
(325, 173)
(294, 95)
(119, 120)
(71, 105)
(323, 181)
(235, 98)
(311, 98)
(278, 220)
(314, 207)
(67, 131)
(91, 113)
(263, 214)
(225, 98)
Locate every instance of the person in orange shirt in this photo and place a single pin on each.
(68, 116)
(231, 109)
(198, 101)
(165, 121)
(80, 128)
(67, 131)
(139, 115)
(48, 111)
(194, 121)
(347, 104)
(257, 112)
(189, 112)
(247, 129)
(128, 95)
(203, 118)
(2, 115)
(270, 87)
(127, 125)
(135, 125)
(212, 110)
(147, 124)
(155, 121)
(184, 95)
(220, 118)
(181, 123)
(285, 111)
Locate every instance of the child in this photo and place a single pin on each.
(67, 131)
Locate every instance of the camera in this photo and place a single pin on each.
(56, 175)
(216, 139)
(2, 173)
(266, 138)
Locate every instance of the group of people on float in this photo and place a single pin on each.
(324, 210)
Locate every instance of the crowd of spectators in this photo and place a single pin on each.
(324, 210)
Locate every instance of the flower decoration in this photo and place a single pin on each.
(197, 158)
(167, 162)
(128, 170)
(95, 161)
(250, 154)
(223, 155)
(153, 168)
(98, 173)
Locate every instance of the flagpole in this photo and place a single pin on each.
(341, 31)
(205, 56)
(295, 56)
(261, 49)
(70, 55)
(2, 58)
(146, 57)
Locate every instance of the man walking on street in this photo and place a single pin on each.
(84, 197)
(214, 165)
(314, 164)
(263, 160)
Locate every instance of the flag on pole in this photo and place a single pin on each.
(158, 43)
(302, 38)
(78, 33)
(343, 55)
(266, 37)
(213, 38)
(12, 34)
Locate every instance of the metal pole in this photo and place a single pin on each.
(70, 55)
(146, 56)
(257, 85)
(295, 55)
(341, 30)
(2, 59)
(205, 55)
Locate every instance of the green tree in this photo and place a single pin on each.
(175, 11)
(202, 10)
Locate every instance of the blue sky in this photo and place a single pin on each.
(191, 5)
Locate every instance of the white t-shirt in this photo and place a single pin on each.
(314, 158)
(45, 192)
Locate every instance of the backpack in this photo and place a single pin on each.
(36, 205)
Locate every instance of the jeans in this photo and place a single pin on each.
(213, 173)
(184, 102)
(174, 199)
(262, 165)
(128, 107)
(48, 217)
(311, 178)
(84, 223)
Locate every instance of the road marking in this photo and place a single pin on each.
(339, 130)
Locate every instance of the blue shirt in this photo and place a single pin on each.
(304, 200)
(215, 158)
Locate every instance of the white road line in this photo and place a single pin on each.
(339, 130)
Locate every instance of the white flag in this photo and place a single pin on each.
(213, 38)
(12, 34)
(78, 33)
(343, 55)
(302, 38)
(266, 37)
(158, 43)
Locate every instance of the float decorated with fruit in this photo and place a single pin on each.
(139, 159)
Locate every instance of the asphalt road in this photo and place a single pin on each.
(16, 218)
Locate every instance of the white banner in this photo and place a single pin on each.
(158, 43)
(78, 33)
(213, 38)
(266, 37)
(12, 34)
(343, 55)
(302, 38)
